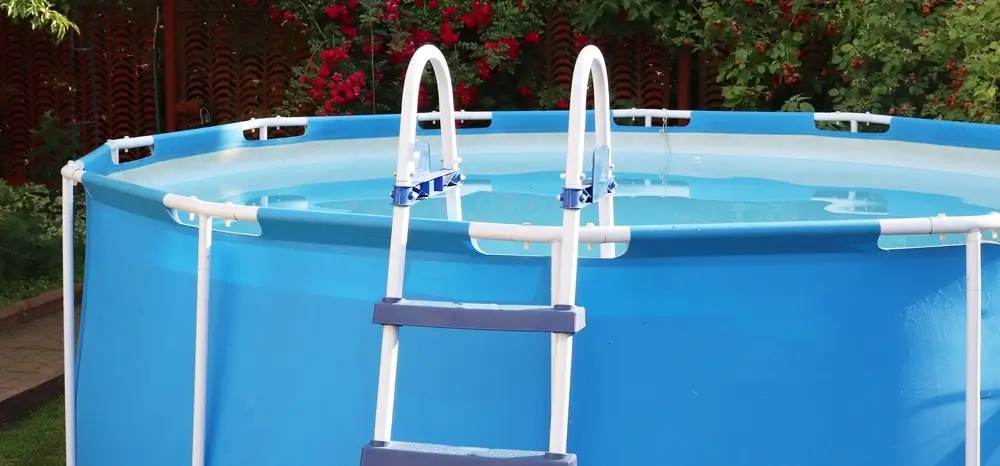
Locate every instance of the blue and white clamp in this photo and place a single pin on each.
(562, 318)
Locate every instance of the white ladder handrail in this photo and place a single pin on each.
(589, 64)
(405, 169)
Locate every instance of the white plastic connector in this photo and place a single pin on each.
(229, 221)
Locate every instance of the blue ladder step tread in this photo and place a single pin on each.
(428, 454)
(480, 316)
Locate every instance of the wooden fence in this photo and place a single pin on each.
(166, 65)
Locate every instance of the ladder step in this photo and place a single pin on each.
(427, 454)
(467, 316)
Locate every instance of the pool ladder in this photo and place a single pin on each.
(415, 181)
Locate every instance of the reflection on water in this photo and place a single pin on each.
(844, 201)
(640, 199)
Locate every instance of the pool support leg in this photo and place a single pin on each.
(973, 347)
(69, 314)
(201, 341)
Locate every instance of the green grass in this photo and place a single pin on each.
(38, 440)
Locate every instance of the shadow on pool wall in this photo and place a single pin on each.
(796, 346)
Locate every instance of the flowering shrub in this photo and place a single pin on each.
(361, 49)
(935, 58)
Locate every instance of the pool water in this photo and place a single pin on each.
(666, 195)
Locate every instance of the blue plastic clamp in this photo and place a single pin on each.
(574, 198)
(403, 196)
(599, 185)
(425, 186)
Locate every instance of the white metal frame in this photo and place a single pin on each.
(73, 173)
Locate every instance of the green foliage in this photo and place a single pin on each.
(31, 233)
(47, 15)
(56, 143)
(934, 58)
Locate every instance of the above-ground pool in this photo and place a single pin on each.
(778, 293)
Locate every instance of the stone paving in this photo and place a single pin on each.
(31, 365)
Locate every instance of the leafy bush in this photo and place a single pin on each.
(31, 233)
(934, 58)
(46, 15)
(55, 143)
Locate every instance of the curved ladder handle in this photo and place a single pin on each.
(405, 161)
(589, 65)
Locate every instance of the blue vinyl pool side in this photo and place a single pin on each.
(760, 345)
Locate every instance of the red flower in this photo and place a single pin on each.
(391, 11)
(357, 78)
(319, 84)
(432, 4)
(401, 51)
(562, 104)
(483, 11)
(323, 71)
(335, 11)
(352, 4)
(335, 55)
(521, 5)
(449, 12)
(532, 37)
(421, 37)
(526, 91)
(465, 94)
(484, 69)
(480, 14)
(349, 31)
(512, 47)
(448, 35)
(580, 41)
(469, 20)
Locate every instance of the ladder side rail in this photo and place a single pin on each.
(590, 66)
(973, 347)
(405, 169)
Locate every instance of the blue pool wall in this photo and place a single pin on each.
(766, 344)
